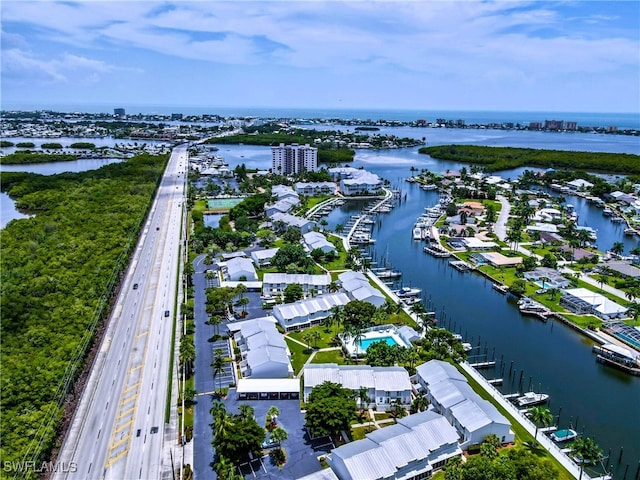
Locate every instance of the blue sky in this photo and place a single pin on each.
(578, 56)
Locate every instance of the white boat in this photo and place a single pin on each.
(411, 300)
(408, 292)
(429, 186)
(607, 212)
(531, 398)
(388, 273)
(563, 435)
(417, 233)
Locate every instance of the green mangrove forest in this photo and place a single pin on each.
(493, 159)
(59, 272)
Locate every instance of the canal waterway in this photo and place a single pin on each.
(549, 357)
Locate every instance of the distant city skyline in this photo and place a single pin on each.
(504, 56)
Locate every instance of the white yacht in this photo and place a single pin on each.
(530, 399)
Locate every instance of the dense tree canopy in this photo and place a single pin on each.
(330, 409)
(381, 354)
(59, 270)
(358, 315)
(501, 158)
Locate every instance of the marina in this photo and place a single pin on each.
(494, 322)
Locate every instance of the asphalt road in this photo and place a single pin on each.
(117, 430)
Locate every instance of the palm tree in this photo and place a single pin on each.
(221, 419)
(246, 412)
(396, 411)
(315, 336)
(307, 339)
(218, 365)
(337, 313)
(617, 248)
(586, 450)
(363, 398)
(339, 228)
(273, 412)
(244, 301)
(540, 416)
(214, 320)
(333, 287)
(419, 404)
(279, 435)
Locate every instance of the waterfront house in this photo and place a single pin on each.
(262, 258)
(281, 206)
(284, 192)
(579, 185)
(475, 419)
(475, 244)
(263, 351)
(357, 287)
(451, 396)
(354, 181)
(315, 188)
(497, 260)
(623, 268)
(547, 278)
(411, 449)
(316, 240)
(274, 284)
(583, 302)
(435, 371)
(281, 221)
(385, 385)
(305, 313)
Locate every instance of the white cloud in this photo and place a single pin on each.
(468, 44)
(67, 67)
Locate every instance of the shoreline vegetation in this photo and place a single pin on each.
(60, 270)
(493, 159)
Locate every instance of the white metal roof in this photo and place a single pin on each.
(257, 385)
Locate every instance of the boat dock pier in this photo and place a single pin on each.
(479, 365)
(461, 265)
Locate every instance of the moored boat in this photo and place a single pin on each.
(563, 435)
(530, 399)
(408, 292)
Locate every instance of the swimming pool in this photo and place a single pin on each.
(365, 342)
(388, 334)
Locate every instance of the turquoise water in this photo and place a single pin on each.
(365, 342)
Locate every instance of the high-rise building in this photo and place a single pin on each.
(294, 158)
(119, 112)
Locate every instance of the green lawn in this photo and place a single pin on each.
(332, 356)
(324, 341)
(299, 355)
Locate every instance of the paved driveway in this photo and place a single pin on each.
(301, 451)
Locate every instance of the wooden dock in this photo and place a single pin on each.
(483, 365)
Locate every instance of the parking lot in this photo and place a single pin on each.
(302, 452)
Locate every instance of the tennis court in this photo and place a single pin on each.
(223, 203)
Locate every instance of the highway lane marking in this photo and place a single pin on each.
(124, 425)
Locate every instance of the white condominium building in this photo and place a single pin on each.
(294, 158)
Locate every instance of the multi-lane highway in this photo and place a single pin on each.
(118, 428)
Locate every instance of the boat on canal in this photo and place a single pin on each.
(619, 357)
(563, 435)
(387, 273)
(529, 399)
(405, 292)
